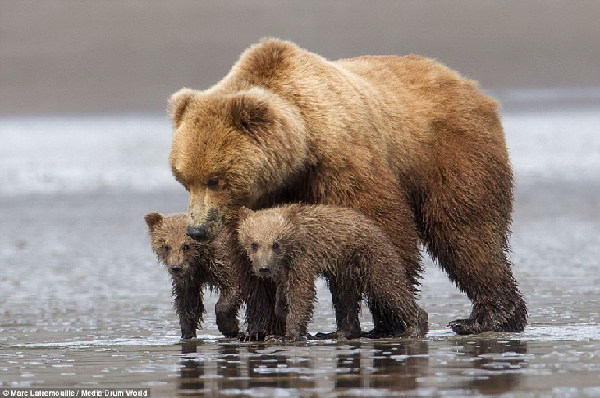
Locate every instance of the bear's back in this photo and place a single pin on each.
(334, 228)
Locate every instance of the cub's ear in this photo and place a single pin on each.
(250, 113)
(178, 103)
(244, 213)
(153, 220)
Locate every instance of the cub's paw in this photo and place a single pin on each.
(249, 337)
(284, 339)
(375, 334)
(274, 338)
(238, 336)
(323, 336)
(233, 334)
(188, 335)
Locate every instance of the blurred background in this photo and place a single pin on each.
(119, 57)
(84, 142)
(84, 84)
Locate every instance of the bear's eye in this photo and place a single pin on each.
(166, 248)
(275, 246)
(185, 247)
(254, 246)
(212, 182)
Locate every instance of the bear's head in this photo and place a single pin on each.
(174, 249)
(265, 236)
(232, 150)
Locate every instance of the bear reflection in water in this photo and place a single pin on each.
(385, 366)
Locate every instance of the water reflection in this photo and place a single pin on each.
(229, 366)
(192, 372)
(386, 367)
(398, 367)
(498, 370)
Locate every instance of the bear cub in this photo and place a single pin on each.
(294, 244)
(192, 267)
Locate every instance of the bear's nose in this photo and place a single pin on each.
(264, 269)
(176, 268)
(197, 233)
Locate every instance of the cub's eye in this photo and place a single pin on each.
(212, 182)
(275, 246)
(254, 246)
(185, 247)
(166, 248)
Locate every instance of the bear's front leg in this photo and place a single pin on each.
(259, 294)
(346, 301)
(281, 312)
(300, 299)
(189, 306)
(226, 311)
(188, 327)
(281, 307)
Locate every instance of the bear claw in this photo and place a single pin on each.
(245, 338)
(474, 326)
(465, 326)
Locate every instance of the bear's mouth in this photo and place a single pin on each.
(177, 271)
(263, 272)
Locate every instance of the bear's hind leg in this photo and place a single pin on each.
(467, 232)
(497, 303)
(389, 295)
(346, 301)
(389, 208)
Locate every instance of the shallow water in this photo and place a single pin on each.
(84, 302)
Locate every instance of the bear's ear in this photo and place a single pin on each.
(153, 219)
(249, 113)
(178, 103)
(244, 213)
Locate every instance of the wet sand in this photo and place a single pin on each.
(86, 304)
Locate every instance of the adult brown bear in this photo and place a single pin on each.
(407, 141)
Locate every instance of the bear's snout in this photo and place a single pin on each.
(176, 269)
(197, 233)
(264, 270)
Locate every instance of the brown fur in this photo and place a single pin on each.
(407, 141)
(295, 244)
(194, 266)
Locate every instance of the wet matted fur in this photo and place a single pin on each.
(194, 266)
(407, 141)
(294, 244)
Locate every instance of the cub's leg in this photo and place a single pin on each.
(392, 294)
(300, 297)
(189, 306)
(346, 301)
